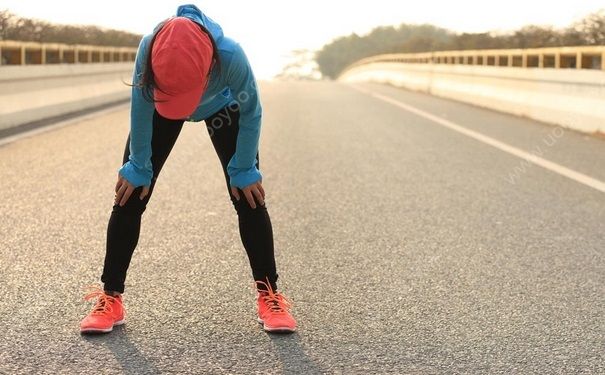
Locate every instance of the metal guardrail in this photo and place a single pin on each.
(584, 57)
(25, 53)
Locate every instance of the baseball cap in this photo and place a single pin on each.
(181, 59)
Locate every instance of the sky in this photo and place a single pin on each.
(270, 29)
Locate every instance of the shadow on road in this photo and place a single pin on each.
(126, 353)
(292, 356)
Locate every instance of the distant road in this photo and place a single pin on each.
(412, 236)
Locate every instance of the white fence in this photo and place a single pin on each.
(574, 98)
(30, 93)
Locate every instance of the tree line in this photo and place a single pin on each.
(13, 27)
(341, 52)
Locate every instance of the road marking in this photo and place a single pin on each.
(546, 164)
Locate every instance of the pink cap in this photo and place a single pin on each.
(181, 59)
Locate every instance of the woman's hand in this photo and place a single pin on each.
(124, 189)
(251, 191)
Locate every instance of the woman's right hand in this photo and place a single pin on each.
(124, 189)
(253, 190)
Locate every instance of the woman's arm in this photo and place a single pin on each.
(138, 170)
(242, 166)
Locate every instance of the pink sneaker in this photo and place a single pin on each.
(274, 310)
(107, 312)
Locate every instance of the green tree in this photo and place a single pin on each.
(335, 56)
(13, 27)
(592, 28)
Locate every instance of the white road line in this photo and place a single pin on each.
(554, 167)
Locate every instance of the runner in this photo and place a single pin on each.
(187, 70)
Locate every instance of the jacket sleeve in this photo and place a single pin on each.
(138, 169)
(242, 168)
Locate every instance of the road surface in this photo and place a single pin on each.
(407, 247)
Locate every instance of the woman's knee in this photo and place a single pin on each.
(134, 205)
(242, 207)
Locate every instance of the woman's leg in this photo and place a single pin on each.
(254, 224)
(125, 221)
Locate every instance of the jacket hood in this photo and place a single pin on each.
(195, 14)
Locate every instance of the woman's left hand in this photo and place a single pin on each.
(250, 192)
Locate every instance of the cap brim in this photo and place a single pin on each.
(177, 107)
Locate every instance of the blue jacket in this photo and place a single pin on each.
(233, 81)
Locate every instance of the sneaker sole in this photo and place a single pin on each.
(101, 330)
(275, 329)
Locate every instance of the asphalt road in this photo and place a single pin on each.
(406, 247)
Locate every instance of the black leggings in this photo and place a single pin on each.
(125, 222)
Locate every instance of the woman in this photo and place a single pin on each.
(187, 70)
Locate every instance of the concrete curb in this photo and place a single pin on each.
(567, 97)
(31, 94)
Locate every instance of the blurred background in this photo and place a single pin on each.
(278, 34)
(317, 41)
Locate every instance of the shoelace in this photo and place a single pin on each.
(104, 302)
(276, 301)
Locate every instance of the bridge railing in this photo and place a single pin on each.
(25, 53)
(583, 57)
(562, 86)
